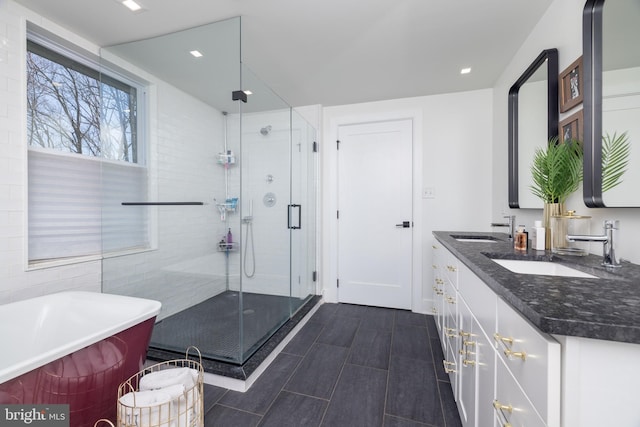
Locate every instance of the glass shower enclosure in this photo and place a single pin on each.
(229, 204)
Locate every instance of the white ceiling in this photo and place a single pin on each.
(333, 52)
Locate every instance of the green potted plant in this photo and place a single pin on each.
(556, 172)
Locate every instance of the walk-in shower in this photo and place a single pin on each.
(232, 258)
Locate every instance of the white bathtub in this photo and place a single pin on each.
(73, 348)
(37, 331)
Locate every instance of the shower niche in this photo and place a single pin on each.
(231, 271)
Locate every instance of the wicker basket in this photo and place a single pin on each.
(185, 409)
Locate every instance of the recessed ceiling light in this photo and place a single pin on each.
(132, 5)
(196, 53)
(465, 71)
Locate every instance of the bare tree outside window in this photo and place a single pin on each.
(71, 108)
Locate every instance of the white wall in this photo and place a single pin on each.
(560, 27)
(453, 141)
(15, 282)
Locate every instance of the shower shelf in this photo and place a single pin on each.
(229, 207)
(226, 159)
(227, 247)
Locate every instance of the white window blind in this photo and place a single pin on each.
(124, 227)
(75, 206)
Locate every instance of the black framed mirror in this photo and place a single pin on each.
(611, 58)
(533, 121)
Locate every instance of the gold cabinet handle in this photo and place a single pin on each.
(450, 332)
(467, 362)
(505, 340)
(464, 334)
(500, 409)
(435, 267)
(434, 246)
(450, 299)
(446, 365)
(520, 354)
(469, 343)
(434, 310)
(437, 291)
(451, 268)
(508, 342)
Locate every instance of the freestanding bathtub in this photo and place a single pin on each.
(73, 348)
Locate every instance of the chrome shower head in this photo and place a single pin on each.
(265, 130)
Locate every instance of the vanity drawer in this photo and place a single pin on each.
(511, 406)
(449, 264)
(532, 357)
(451, 367)
(479, 298)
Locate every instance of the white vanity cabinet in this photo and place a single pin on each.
(477, 380)
(486, 374)
(533, 358)
(437, 287)
(468, 365)
(511, 405)
(451, 335)
(445, 307)
(505, 371)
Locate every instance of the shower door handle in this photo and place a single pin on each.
(289, 225)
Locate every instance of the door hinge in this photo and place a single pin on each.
(337, 283)
(239, 95)
(314, 276)
(337, 144)
(337, 214)
(315, 147)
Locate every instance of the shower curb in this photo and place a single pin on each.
(244, 371)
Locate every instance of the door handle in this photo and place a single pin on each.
(289, 225)
(405, 224)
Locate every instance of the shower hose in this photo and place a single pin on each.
(249, 233)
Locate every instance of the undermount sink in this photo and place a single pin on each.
(474, 238)
(544, 268)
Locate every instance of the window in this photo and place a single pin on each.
(84, 159)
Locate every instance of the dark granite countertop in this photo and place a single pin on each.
(606, 308)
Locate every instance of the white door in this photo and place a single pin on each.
(375, 213)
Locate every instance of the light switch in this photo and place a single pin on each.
(428, 193)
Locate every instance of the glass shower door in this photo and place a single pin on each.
(264, 195)
(302, 217)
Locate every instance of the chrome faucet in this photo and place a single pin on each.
(607, 239)
(511, 223)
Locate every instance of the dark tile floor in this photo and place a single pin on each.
(348, 366)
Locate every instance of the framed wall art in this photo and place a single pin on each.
(571, 86)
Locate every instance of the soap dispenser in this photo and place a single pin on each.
(229, 239)
(521, 239)
(538, 236)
